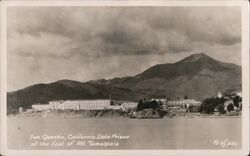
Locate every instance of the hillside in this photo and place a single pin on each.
(62, 90)
(197, 76)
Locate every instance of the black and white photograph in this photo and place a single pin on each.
(125, 76)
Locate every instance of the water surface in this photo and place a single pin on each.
(166, 133)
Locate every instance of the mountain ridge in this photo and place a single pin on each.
(197, 76)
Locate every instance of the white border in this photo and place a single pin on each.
(245, 77)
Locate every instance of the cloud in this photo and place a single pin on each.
(85, 43)
(123, 31)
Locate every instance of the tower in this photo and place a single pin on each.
(219, 94)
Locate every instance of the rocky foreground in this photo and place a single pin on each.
(146, 113)
(109, 113)
(73, 113)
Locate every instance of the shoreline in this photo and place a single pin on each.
(55, 115)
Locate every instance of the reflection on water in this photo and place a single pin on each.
(166, 133)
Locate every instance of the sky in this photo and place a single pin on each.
(47, 44)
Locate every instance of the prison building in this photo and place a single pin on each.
(129, 104)
(80, 104)
(115, 107)
(40, 107)
(182, 103)
(163, 101)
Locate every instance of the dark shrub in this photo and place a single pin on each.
(221, 109)
(230, 107)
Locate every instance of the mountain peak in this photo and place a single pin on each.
(64, 81)
(197, 57)
(67, 82)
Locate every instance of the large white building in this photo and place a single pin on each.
(129, 104)
(182, 103)
(40, 107)
(163, 101)
(81, 104)
(74, 105)
(115, 107)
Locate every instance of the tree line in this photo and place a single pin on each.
(209, 105)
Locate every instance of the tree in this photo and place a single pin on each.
(218, 101)
(140, 105)
(152, 104)
(230, 107)
(209, 108)
(208, 105)
(236, 101)
(201, 109)
(160, 104)
(147, 104)
(221, 109)
(186, 97)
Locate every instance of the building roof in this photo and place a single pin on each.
(79, 100)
